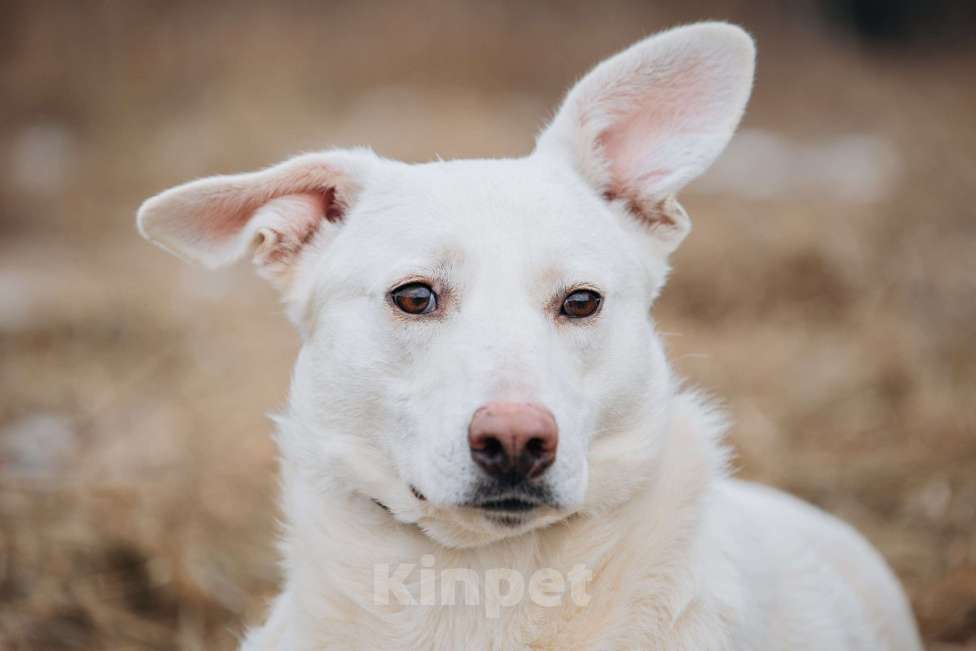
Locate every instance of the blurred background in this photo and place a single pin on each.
(828, 292)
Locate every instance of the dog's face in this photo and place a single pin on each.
(479, 356)
(461, 285)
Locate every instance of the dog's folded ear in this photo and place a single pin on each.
(277, 214)
(645, 122)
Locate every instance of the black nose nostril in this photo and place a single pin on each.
(489, 453)
(536, 457)
(536, 447)
(488, 447)
(492, 447)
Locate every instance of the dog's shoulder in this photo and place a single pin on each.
(811, 576)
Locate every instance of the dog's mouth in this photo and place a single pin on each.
(512, 511)
(508, 505)
(511, 504)
(505, 504)
(512, 508)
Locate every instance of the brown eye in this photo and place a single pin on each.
(581, 303)
(415, 298)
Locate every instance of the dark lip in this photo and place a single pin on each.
(497, 498)
(508, 505)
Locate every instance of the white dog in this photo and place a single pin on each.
(484, 446)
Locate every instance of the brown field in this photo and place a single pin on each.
(828, 293)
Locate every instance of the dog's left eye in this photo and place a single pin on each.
(415, 298)
(581, 303)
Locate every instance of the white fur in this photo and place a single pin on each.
(681, 556)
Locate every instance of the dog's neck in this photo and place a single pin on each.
(334, 572)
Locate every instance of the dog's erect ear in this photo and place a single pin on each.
(277, 213)
(645, 122)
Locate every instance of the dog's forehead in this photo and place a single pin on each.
(487, 203)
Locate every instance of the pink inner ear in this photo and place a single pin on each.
(294, 218)
(629, 148)
(215, 220)
(227, 222)
(232, 205)
(650, 139)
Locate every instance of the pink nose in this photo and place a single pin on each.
(513, 441)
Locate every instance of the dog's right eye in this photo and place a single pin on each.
(415, 298)
(581, 304)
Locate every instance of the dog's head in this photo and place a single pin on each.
(478, 350)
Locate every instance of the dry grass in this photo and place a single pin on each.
(136, 468)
